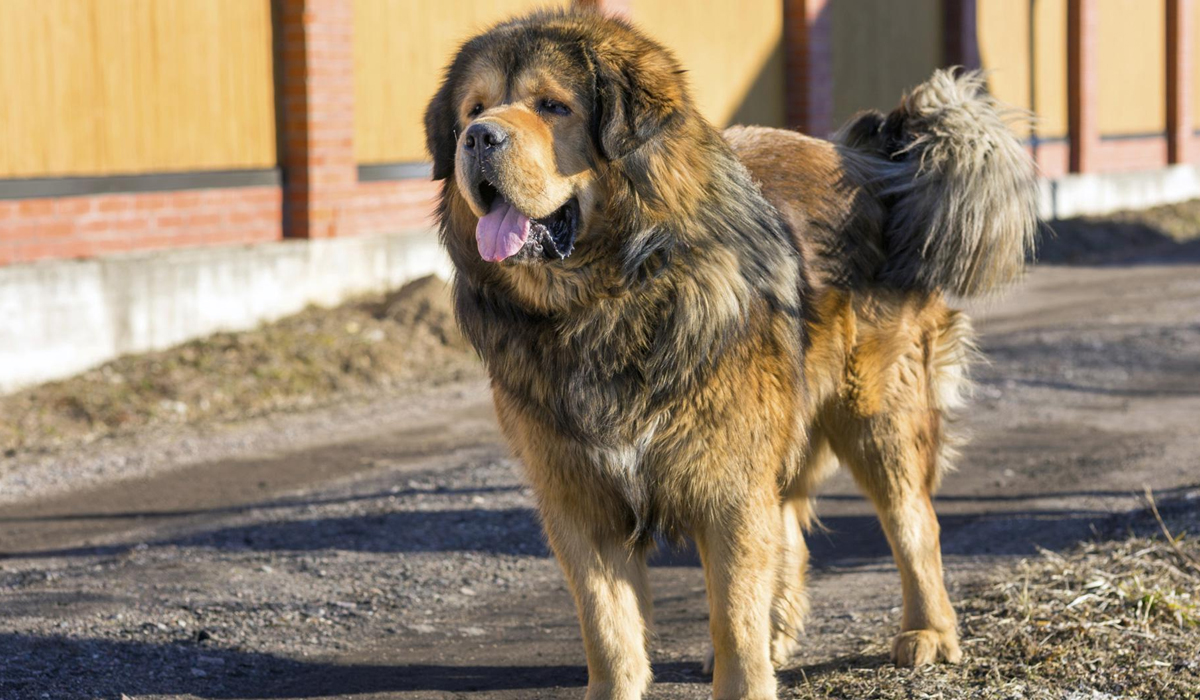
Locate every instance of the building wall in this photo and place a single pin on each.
(1013, 36)
(101, 87)
(130, 125)
(882, 48)
(1131, 67)
(732, 51)
(91, 225)
(1194, 64)
(401, 48)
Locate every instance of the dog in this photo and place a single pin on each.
(687, 330)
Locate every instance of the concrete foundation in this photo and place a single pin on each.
(1103, 193)
(58, 318)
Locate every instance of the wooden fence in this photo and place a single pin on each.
(103, 87)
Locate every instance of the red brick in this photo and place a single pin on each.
(30, 208)
(72, 206)
(318, 116)
(112, 203)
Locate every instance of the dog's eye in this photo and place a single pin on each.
(476, 110)
(549, 106)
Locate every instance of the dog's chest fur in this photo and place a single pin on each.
(617, 389)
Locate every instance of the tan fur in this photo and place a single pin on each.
(547, 163)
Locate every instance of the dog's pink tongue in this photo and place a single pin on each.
(502, 231)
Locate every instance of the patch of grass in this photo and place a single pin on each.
(393, 342)
(1111, 619)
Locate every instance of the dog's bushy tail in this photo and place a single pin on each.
(960, 190)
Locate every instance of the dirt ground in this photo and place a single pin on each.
(385, 547)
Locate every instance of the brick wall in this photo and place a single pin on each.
(393, 205)
(317, 117)
(808, 69)
(1053, 158)
(75, 227)
(1125, 154)
(322, 197)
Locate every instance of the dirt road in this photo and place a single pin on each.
(388, 549)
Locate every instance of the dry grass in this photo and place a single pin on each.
(393, 342)
(1111, 619)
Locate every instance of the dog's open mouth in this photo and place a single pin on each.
(504, 232)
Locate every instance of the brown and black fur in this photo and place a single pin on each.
(739, 310)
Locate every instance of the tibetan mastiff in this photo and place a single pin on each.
(687, 329)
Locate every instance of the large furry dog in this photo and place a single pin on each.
(687, 329)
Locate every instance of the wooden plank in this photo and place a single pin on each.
(96, 87)
(882, 48)
(401, 49)
(1131, 67)
(732, 52)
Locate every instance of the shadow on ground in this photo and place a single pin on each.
(30, 666)
(842, 540)
(1115, 241)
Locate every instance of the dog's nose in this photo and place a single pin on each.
(484, 138)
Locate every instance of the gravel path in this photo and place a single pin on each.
(388, 549)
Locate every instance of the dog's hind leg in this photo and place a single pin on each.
(894, 458)
(790, 605)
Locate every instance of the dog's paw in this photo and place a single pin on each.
(923, 647)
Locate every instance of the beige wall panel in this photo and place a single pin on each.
(1051, 76)
(1131, 67)
(401, 49)
(1004, 35)
(1195, 67)
(98, 87)
(732, 51)
(880, 49)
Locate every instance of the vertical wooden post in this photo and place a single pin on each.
(317, 81)
(961, 44)
(808, 46)
(1179, 80)
(1081, 84)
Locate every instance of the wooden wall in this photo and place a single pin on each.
(880, 49)
(732, 51)
(1195, 86)
(1131, 67)
(100, 87)
(401, 48)
(1004, 34)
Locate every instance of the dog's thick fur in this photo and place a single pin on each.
(740, 312)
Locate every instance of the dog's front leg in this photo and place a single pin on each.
(739, 549)
(612, 597)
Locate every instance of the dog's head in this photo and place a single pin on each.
(531, 118)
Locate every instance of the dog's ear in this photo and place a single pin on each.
(440, 123)
(638, 95)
